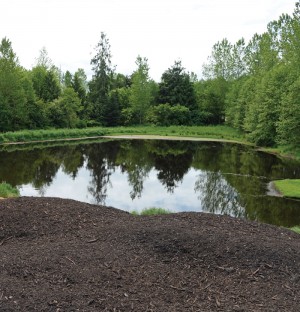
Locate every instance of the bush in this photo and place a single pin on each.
(167, 115)
(129, 117)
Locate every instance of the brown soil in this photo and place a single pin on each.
(63, 255)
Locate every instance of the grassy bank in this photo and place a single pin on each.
(285, 151)
(7, 191)
(47, 135)
(214, 132)
(288, 187)
(206, 132)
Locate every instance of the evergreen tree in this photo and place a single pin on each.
(101, 82)
(176, 88)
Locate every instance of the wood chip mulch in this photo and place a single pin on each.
(64, 255)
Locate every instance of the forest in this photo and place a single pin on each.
(251, 86)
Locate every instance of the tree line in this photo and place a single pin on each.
(45, 97)
(252, 86)
(258, 84)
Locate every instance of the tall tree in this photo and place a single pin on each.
(80, 86)
(45, 78)
(13, 101)
(101, 81)
(140, 91)
(288, 125)
(211, 100)
(220, 61)
(67, 79)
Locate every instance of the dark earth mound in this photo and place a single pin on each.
(64, 255)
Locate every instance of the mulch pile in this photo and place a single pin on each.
(64, 255)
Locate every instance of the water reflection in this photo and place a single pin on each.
(217, 195)
(177, 175)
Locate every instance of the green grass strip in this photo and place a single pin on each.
(50, 135)
(152, 211)
(296, 229)
(288, 187)
(7, 191)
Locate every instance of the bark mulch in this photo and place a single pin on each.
(64, 255)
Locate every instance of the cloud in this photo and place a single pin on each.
(161, 30)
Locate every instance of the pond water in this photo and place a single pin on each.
(219, 178)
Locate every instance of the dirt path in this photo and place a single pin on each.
(173, 138)
(63, 255)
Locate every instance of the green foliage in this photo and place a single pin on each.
(129, 117)
(151, 211)
(166, 115)
(176, 88)
(7, 191)
(63, 112)
(264, 111)
(253, 87)
(15, 93)
(288, 125)
(211, 100)
(140, 91)
(288, 187)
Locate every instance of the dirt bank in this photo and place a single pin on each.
(63, 255)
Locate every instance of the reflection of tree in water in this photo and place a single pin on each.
(134, 159)
(100, 179)
(44, 174)
(136, 179)
(101, 160)
(172, 168)
(73, 159)
(217, 196)
(172, 160)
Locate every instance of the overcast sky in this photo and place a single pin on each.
(161, 30)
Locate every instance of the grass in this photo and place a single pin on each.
(6, 191)
(151, 211)
(218, 132)
(50, 134)
(296, 229)
(288, 187)
(214, 132)
(284, 150)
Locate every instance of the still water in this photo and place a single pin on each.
(219, 178)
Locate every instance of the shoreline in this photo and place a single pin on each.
(133, 137)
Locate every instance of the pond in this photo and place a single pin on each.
(212, 177)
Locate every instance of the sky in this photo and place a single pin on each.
(163, 31)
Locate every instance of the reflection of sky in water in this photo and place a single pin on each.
(154, 194)
(228, 180)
